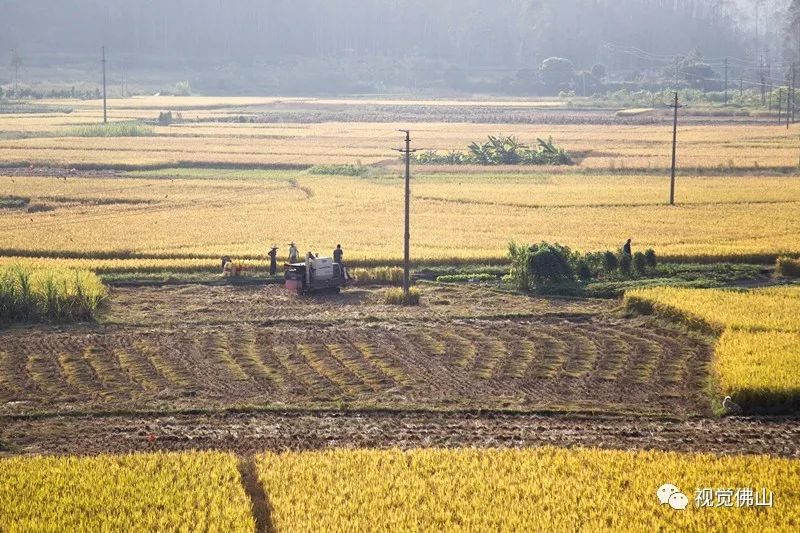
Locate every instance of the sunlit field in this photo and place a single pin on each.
(551, 490)
(145, 492)
(758, 353)
(193, 214)
(597, 147)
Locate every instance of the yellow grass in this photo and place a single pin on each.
(757, 358)
(242, 213)
(155, 492)
(519, 490)
(602, 147)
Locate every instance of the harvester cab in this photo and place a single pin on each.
(314, 275)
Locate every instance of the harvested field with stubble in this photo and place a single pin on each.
(282, 351)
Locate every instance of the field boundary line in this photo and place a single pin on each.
(261, 508)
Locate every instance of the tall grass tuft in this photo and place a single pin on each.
(395, 296)
(30, 294)
(112, 129)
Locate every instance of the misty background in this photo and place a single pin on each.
(519, 47)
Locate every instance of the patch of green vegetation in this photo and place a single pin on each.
(213, 173)
(112, 129)
(454, 278)
(13, 202)
(338, 170)
(678, 275)
(177, 277)
(500, 150)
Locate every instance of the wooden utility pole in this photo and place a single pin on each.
(105, 112)
(674, 149)
(407, 151)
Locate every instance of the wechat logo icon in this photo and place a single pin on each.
(671, 495)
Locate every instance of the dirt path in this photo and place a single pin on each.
(252, 433)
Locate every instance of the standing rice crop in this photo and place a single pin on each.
(30, 294)
(194, 491)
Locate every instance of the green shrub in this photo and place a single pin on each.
(788, 267)
(610, 262)
(164, 118)
(650, 258)
(550, 264)
(500, 150)
(583, 270)
(395, 296)
(338, 170)
(640, 263)
(625, 264)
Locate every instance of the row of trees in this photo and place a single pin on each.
(533, 46)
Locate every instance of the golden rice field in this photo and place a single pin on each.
(188, 218)
(34, 293)
(599, 147)
(389, 490)
(758, 354)
(544, 489)
(199, 491)
(605, 147)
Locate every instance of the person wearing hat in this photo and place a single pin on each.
(293, 253)
(273, 260)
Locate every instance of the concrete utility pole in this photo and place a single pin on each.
(726, 81)
(16, 63)
(407, 151)
(674, 149)
(105, 112)
(780, 105)
(793, 86)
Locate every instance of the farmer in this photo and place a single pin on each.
(626, 248)
(273, 260)
(338, 253)
(293, 253)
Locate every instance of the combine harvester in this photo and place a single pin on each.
(320, 274)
